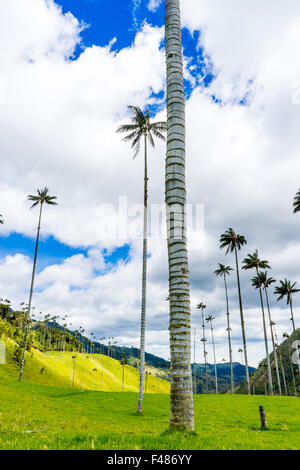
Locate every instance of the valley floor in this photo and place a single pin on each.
(76, 419)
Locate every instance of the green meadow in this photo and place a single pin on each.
(36, 416)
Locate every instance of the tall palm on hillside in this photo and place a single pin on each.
(210, 320)
(296, 203)
(233, 242)
(202, 307)
(182, 412)
(224, 271)
(142, 129)
(254, 262)
(263, 280)
(42, 198)
(287, 289)
(290, 353)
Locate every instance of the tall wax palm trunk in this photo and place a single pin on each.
(292, 313)
(273, 343)
(265, 338)
(181, 412)
(144, 285)
(204, 350)
(210, 319)
(242, 324)
(229, 338)
(30, 295)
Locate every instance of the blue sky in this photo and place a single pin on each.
(104, 20)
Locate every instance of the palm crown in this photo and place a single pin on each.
(262, 280)
(285, 289)
(42, 197)
(253, 261)
(232, 240)
(201, 306)
(223, 270)
(1, 219)
(141, 126)
(296, 203)
(210, 318)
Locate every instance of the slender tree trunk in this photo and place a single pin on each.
(266, 338)
(242, 324)
(215, 360)
(182, 413)
(204, 350)
(292, 370)
(30, 295)
(144, 287)
(229, 338)
(194, 373)
(273, 343)
(292, 314)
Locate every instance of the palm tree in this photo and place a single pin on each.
(41, 198)
(202, 307)
(224, 271)
(210, 319)
(233, 242)
(254, 262)
(141, 128)
(182, 413)
(286, 289)
(280, 359)
(265, 281)
(296, 203)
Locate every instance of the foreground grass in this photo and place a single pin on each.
(74, 419)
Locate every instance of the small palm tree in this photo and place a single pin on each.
(210, 320)
(254, 262)
(202, 307)
(287, 289)
(233, 242)
(42, 198)
(224, 271)
(296, 203)
(141, 128)
(265, 281)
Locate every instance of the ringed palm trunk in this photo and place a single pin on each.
(215, 360)
(181, 412)
(229, 338)
(242, 324)
(30, 295)
(273, 343)
(204, 351)
(266, 339)
(144, 287)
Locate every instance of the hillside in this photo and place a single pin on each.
(61, 418)
(91, 371)
(259, 378)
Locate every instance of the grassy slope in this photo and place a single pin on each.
(58, 371)
(75, 419)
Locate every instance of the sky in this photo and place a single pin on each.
(68, 70)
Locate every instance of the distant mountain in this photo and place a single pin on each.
(259, 378)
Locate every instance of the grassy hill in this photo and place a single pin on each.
(34, 416)
(90, 371)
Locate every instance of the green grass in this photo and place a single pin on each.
(75, 419)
